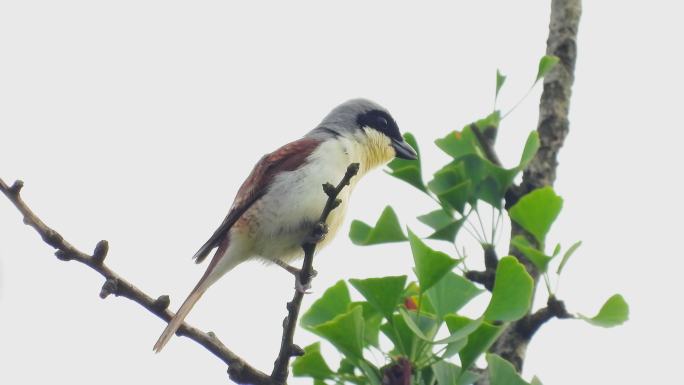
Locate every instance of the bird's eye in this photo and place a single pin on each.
(382, 122)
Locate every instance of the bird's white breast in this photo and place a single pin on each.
(284, 216)
(295, 200)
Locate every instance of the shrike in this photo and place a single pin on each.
(277, 206)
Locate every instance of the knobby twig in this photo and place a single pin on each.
(486, 277)
(238, 369)
(555, 308)
(512, 344)
(287, 348)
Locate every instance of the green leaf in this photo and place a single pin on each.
(531, 147)
(491, 120)
(478, 341)
(461, 333)
(437, 219)
(494, 186)
(451, 186)
(403, 336)
(387, 229)
(446, 372)
(382, 293)
(536, 381)
(444, 224)
(567, 256)
(451, 293)
(412, 289)
(372, 373)
(614, 312)
(546, 64)
(333, 302)
(539, 259)
(346, 366)
(345, 332)
(447, 177)
(408, 170)
(502, 372)
(500, 80)
(512, 293)
(489, 182)
(457, 144)
(454, 348)
(457, 196)
(467, 378)
(408, 319)
(431, 265)
(311, 364)
(449, 232)
(371, 323)
(536, 212)
(556, 250)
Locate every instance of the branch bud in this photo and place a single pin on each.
(62, 255)
(100, 252)
(329, 190)
(352, 170)
(162, 302)
(296, 351)
(111, 286)
(16, 187)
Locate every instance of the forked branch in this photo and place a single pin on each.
(238, 369)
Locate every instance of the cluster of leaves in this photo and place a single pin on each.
(413, 315)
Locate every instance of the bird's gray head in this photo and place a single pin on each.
(365, 121)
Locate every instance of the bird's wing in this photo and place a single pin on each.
(287, 158)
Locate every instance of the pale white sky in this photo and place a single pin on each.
(136, 121)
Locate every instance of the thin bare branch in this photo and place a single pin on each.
(486, 277)
(287, 348)
(239, 370)
(555, 308)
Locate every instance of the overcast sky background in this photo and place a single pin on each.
(136, 122)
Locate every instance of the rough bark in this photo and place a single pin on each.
(553, 127)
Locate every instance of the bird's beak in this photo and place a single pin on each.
(404, 150)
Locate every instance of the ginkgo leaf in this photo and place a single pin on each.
(387, 229)
(614, 312)
(546, 64)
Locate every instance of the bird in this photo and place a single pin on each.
(281, 200)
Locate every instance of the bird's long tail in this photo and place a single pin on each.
(177, 319)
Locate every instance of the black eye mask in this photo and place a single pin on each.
(380, 121)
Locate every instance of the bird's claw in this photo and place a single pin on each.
(302, 288)
(318, 233)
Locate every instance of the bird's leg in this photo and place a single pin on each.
(294, 270)
(297, 272)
